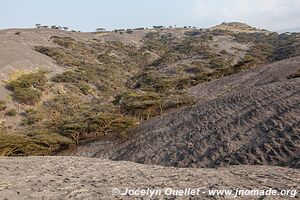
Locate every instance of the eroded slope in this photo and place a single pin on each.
(247, 118)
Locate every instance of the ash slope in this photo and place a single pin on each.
(247, 118)
(88, 178)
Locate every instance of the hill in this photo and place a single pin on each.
(173, 99)
(237, 27)
(61, 89)
(246, 118)
(291, 30)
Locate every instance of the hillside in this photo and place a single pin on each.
(213, 108)
(62, 89)
(246, 118)
(238, 27)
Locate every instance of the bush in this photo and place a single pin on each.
(37, 144)
(28, 88)
(11, 112)
(218, 62)
(62, 105)
(2, 105)
(67, 77)
(27, 95)
(153, 81)
(88, 125)
(85, 88)
(35, 80)
(296, 75)
(31, 117)
(146, 104)
(167, 59)
(129, 31)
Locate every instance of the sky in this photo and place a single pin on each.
(87, 15)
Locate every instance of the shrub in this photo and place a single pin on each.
(218, 62)
(224, 52)
(85, 88)
(85, 125)
(138, 100)
(153, 81)
(27, 95)
(146, 104)
(2, 105)
(31, 117)
(67, 77)
(167, 59)
(129, 31)
(35, 80)
(27, 88)
(296, 75)
(37, 144)
(193, 33)
(11, 112)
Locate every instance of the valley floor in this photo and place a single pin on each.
(93, 178)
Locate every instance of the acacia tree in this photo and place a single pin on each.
(100, 29)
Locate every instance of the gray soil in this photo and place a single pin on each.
(88, 178)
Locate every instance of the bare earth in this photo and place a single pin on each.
(88, 178)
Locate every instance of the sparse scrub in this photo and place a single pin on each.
(28, 88)
(37, 144)
(11, 112)
(109, 86)
(32, 117)
(296, 75)
(167, 59)
(145, 104)
(2, 105)
(217, 62)
(129, 31)
(85, 88)
(71, 118)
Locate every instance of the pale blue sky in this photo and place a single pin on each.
(87, 15)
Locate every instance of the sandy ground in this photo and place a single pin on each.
(88, 178)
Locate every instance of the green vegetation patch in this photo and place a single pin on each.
(28, 88)
(95, 125)
(74, 119)
(146, 104)
(2, 105)
(11, 112)
(31, 117)
(38, 144)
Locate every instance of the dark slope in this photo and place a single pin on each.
(248, 118)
